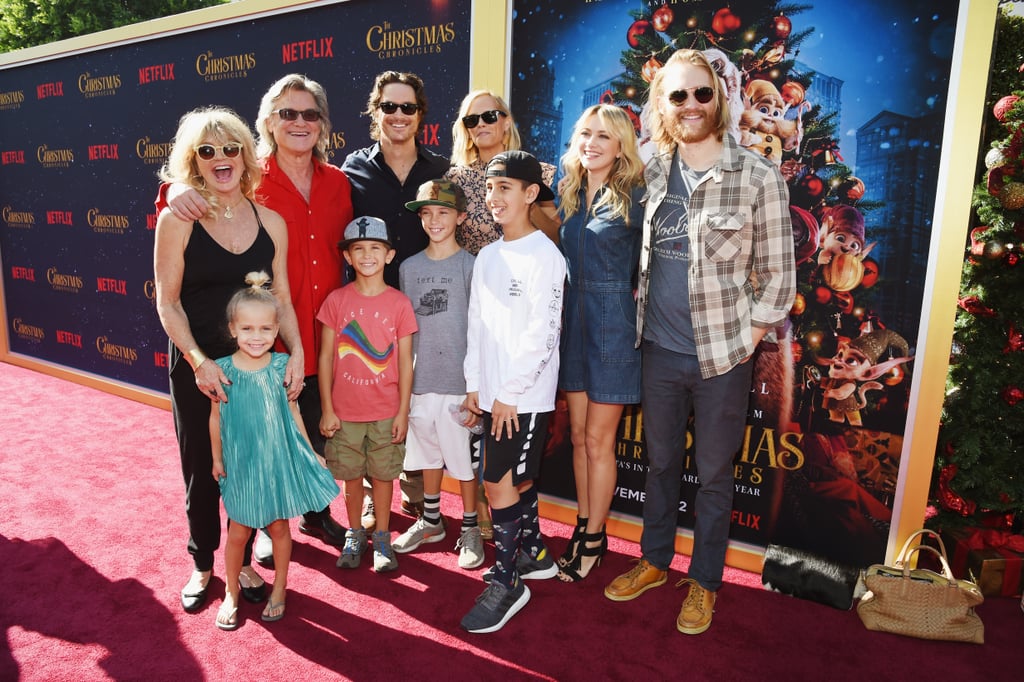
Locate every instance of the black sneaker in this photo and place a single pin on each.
(528, 568)
(495, 606)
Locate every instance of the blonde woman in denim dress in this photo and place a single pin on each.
(600, 365)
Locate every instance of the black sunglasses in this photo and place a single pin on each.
(408, 108)
(491, 116)
(310, 115)
(702, 94)
(208, 151)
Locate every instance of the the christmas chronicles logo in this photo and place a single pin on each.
(388, 41)
(111, 286)
(149, 291)
(125, 355)
(23, 273)
(69, 284)
(213, 68)
(335, 144)
(54, 158)
(99, 152)
(68, 338)
(317, 48)
(156, 73)
(13, 156)
(152, 152)
(54, 89)
(98, 86)
(14, 218)
(58, 218)
(106, 223)
(11, 99)
(27, 332)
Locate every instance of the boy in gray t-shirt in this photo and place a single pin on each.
(437, 281)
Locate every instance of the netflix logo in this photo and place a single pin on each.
(17, 156)
(320, 48)
(55, 89)
(114, 286)
(27, 274)
(156, 73)
(68, 338)
(160, 359)
(58, 218)
(102, 151)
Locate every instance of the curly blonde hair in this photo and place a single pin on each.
(627, 172)
(217, 124)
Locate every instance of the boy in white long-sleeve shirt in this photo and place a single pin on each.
(511, 367)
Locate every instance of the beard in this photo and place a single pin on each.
(688, 131)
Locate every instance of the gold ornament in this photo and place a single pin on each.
(1012, 196)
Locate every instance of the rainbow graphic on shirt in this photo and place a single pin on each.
(354, 342)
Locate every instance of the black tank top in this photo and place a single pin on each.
(212, 276)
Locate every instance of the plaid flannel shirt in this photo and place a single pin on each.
(742, 269)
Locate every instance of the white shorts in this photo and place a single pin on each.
(435, 440)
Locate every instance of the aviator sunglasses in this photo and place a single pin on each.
(408, 108)
(208, 151)
(310, 115)
(702, 94)
(491, 116)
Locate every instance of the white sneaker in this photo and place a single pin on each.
(470, 547)
(419, 533)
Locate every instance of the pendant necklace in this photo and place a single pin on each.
(229, 211)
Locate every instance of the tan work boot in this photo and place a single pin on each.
(698, 607)
(635, 582)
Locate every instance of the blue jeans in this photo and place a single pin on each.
(672, 386)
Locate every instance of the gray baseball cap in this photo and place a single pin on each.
(365, 228)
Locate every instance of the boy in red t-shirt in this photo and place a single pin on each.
(365, 375)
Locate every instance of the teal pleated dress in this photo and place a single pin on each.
(272, 472)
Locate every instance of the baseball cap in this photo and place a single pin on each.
(520, 165)
(439, 193)
(365, 228)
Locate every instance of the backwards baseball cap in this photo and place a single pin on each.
(520, 165)
(365, 228)
(439, 193)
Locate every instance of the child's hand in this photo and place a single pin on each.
(218, 470)
(329, 424)
(472, 403)
(503, 417)
(399, 428)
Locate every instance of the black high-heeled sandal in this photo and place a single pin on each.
(571, 573)
(569, 555)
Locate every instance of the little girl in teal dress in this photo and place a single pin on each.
(267, 470)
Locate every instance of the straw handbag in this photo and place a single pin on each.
(919, 602)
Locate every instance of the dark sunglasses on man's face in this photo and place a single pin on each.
(472, 120)
(208, 151)
(408, 108)
(702, 94)
(310, 115)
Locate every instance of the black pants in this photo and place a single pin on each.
(191, 411)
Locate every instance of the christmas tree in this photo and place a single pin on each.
(979, 471)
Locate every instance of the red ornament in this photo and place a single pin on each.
(639, 28)
(1012, 395)
(1014, 340)
(799, 305)
(651, 67)
(822, 295)
(1011, 259)
(974, 306)
(792, 93)
(844, 299)
(1003, 106)
(725, 21)
(781, 27)
(995, 179)
(949, 499)
(870, 273)
(662, 18)
(811, 185)
(894, 376)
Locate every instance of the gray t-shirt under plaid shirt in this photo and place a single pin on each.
(439, 291)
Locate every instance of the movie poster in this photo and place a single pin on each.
(848, 101)
(83, 136)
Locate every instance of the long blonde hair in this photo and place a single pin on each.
(464, 151)
(221, 125)
(627, 172)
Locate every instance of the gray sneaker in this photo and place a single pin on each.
(470, 547)
(384, 558)
(495, 606)
(419, 533)
(528, 568)
(355, 546)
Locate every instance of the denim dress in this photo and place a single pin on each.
(599, 331)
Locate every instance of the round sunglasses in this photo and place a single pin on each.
(408, 108)
(208, 151)
(310, 115)
(703, 94)
(472, 120)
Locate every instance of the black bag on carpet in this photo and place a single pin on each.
(808, 576)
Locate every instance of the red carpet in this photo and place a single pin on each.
(92, 557)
